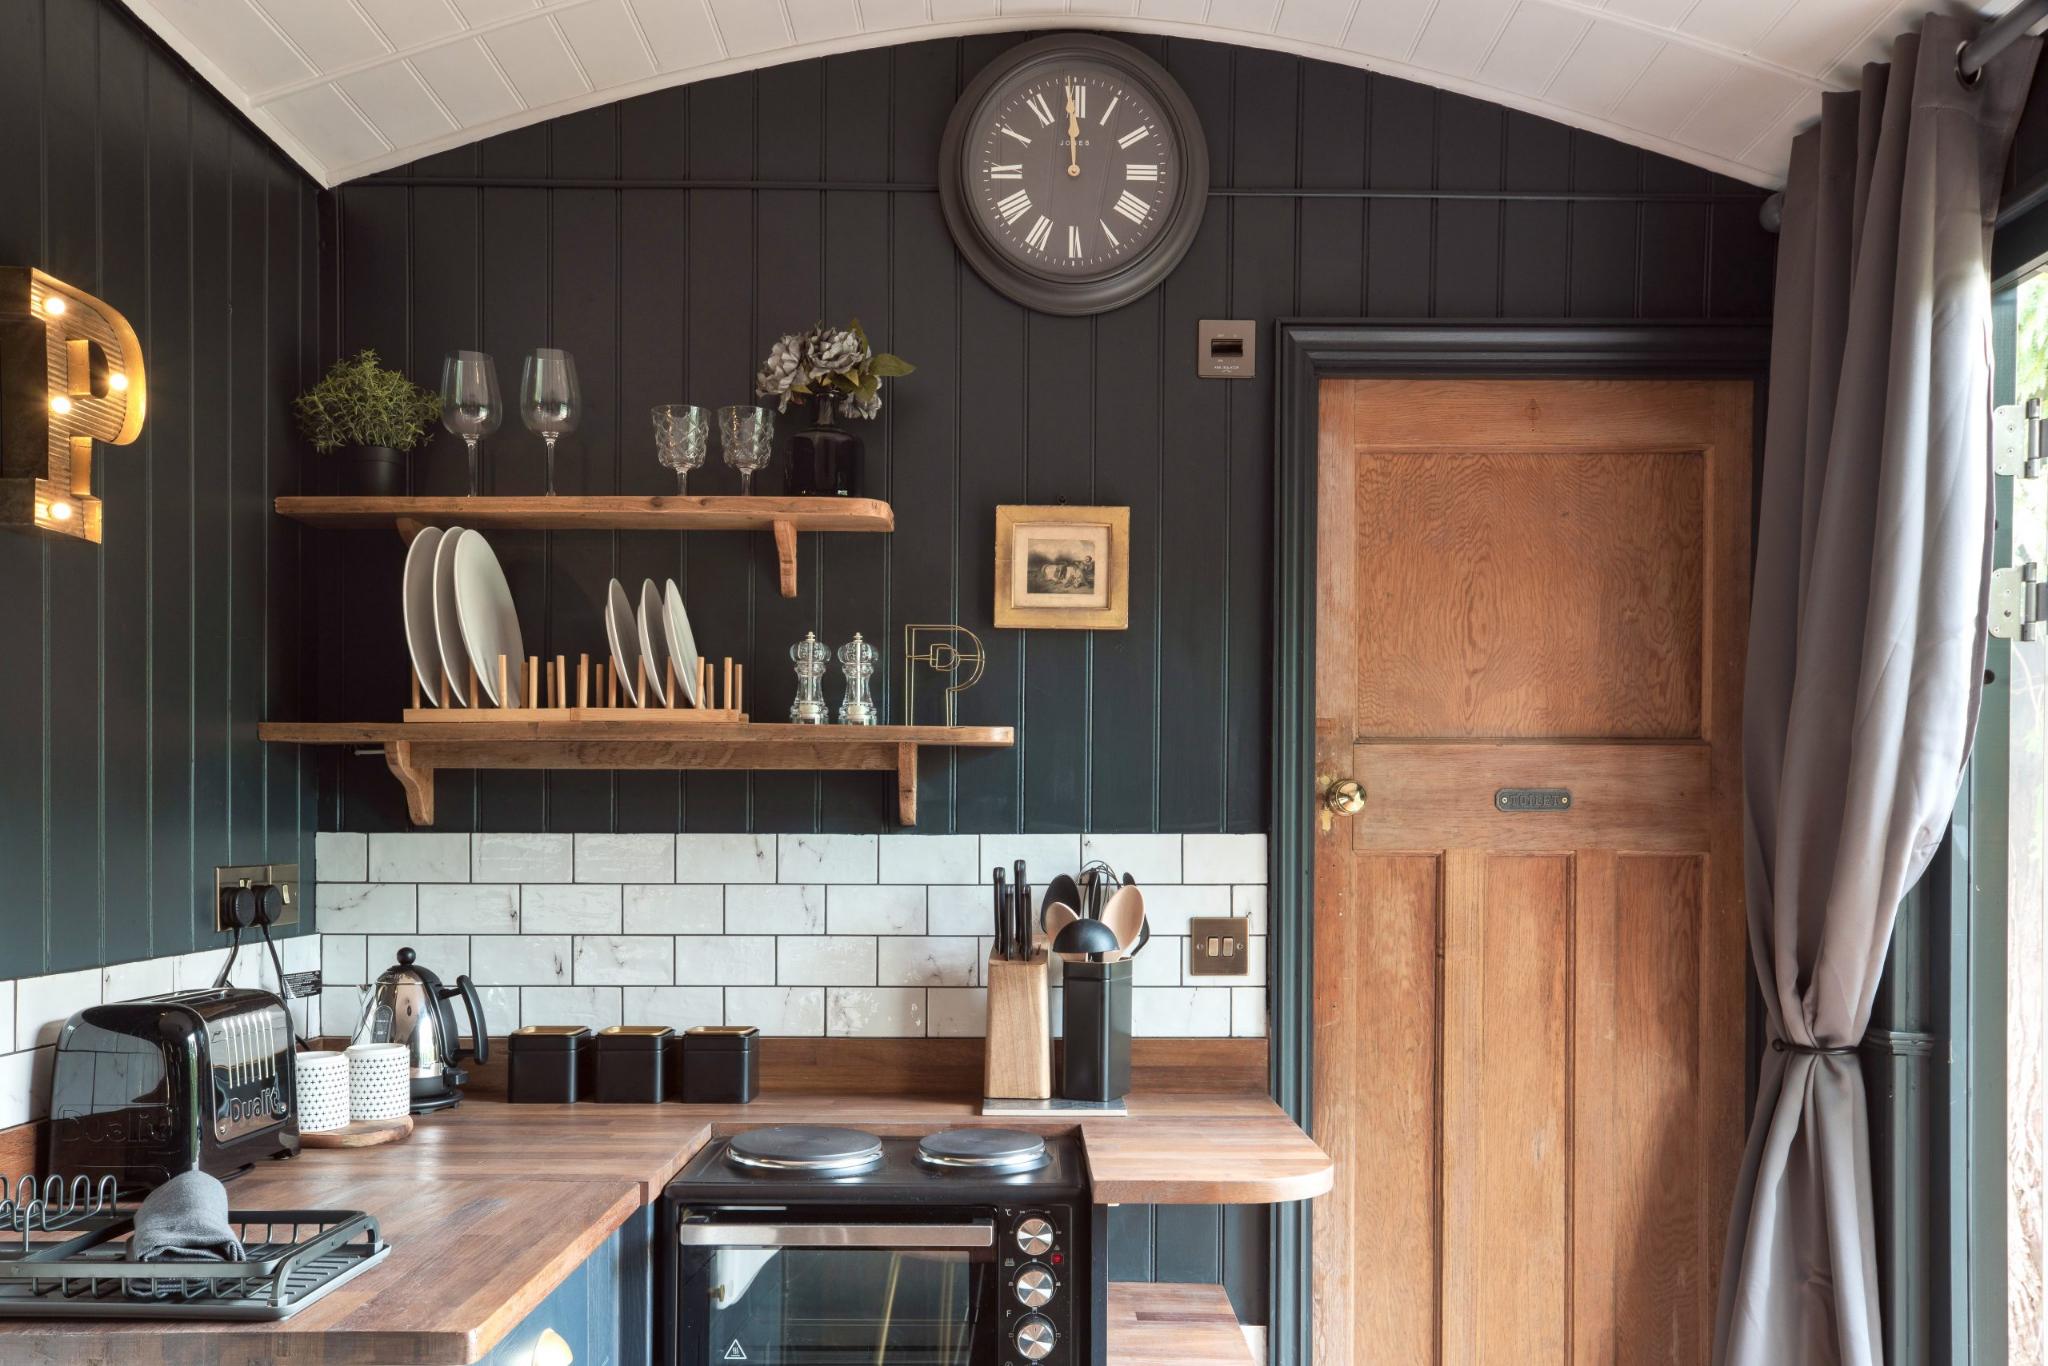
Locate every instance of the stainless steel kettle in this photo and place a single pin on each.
(408, 1005)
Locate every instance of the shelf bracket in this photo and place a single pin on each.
(416, 779)
(409, 527)
(785, 555)
(906, 784)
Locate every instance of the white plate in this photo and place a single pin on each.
(682, 646)
(653, 645)
(490, 623)
(418, 602)
(618, 625)
(447, 626)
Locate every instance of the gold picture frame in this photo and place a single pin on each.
(1062, 568)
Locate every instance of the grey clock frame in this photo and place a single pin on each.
(1046, 293)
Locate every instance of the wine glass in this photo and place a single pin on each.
(470, 405)
(746, 438)
(681, 432)
(550, 401)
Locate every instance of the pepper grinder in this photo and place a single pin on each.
(811, 657)
(857, 662)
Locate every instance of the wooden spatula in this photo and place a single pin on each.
(1125, 914)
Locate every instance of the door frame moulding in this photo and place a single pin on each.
(1307, 352)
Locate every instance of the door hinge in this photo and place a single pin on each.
(2016, 440)
(2019, 604)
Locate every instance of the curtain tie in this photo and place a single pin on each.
(1781, 1046)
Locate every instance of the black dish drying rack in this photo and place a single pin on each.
(64, 1254)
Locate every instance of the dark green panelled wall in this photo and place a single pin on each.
(132, 673)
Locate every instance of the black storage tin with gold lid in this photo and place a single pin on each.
(548, 1064)
(721, 1064)
(629, 1064)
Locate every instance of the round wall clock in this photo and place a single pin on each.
(1073, 174)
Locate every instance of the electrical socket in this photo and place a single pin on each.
(1219, 946)
(285, 876)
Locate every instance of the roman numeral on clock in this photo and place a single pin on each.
(1079, 95)
(1013, 207)
(1074, 242)
(1132, 207)
(1040, 107)
(1135, 136)
(1040, 234)
(1015, 172)
(1111, 110)
(1107, 233)
(1138, 170)
(1008, 131)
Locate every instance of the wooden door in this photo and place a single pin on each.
(1529, 1023)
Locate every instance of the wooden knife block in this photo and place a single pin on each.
(1018, 1061)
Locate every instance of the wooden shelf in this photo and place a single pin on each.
(783, 517)
(1174, 1325)
(415, 750)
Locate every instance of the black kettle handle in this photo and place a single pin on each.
(480, 1037)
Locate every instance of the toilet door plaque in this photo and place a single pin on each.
(1519, 799)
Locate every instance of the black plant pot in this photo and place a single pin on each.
(825, 458)
(372, 471)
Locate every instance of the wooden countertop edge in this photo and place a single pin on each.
(509, 1315)
(1265, 1190)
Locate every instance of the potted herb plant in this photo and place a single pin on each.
(371, 414)
(839, 372)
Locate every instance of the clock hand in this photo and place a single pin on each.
(1073, 136)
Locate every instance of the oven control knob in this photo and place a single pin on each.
(1034, 1235)
(1035, 1338)
(1035, 1286)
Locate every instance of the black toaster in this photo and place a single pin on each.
(194, 1080)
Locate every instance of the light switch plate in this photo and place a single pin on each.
(1219, 946)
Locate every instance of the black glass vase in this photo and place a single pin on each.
(825, 458)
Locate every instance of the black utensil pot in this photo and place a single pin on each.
(1096, 1065)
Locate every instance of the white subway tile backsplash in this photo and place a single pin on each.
(931, 858)
(366, 907)
(1168, 909)
(576, 909)
(785, 909)
(24, 1087)
(1223, 858)
(197, 971)
(444, 955)
(820, 960)
(1148, 858)
(419, 858)
(671, 908)
(597, 1007)
(874, 910)
(341, 857)
(625, 858)
(912, 961)
(6, 1017)
(149, 977)
(1162, 964)
(521, 960)
(826, 858)
(875, 1012)
(1192, 1012)
(339, 1009)
(469, 908)
(43, 1004)
(725, 858)
(959, 910)
(956, 1012)
(501, 1008)
(725, 960)
(1045, 856)
(625, 960)
(1250, 902)
(777, 1010)
(1248, 1012)
(679, 1008)
(523, 858)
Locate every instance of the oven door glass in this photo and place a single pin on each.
(913, 1288)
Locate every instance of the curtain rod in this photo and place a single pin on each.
(2007, 29)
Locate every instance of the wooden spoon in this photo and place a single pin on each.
(1057, 915)
(1125, 914)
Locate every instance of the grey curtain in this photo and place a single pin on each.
(1865, 645)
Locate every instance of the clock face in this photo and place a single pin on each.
(1075, 169)
(1075, 174)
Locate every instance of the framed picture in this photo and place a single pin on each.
(1063, 568)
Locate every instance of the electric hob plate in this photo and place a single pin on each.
(804, 1148)
(983, 1150)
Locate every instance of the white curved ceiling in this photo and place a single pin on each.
(350, 87)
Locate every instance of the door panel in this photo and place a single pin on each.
(1529, 1023)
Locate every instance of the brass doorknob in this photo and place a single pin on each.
(1345, 797)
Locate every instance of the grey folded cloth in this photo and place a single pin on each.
(185, 1220)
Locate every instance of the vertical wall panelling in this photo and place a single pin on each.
(136, 670)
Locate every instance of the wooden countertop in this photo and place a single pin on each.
(469, 1258)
